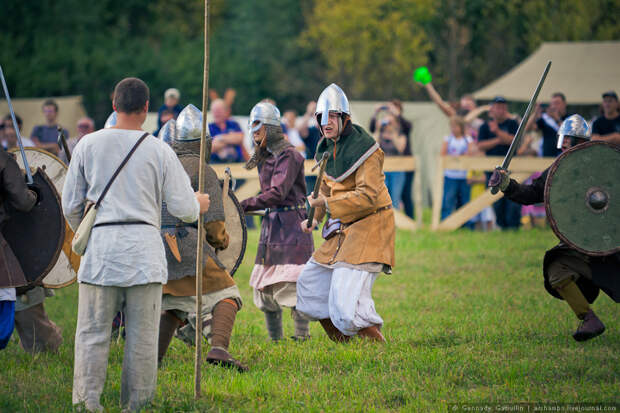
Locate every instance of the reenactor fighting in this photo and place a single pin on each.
(124, 218)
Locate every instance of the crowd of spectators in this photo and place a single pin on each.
(493, 136)
(471, 133)
(393, 132)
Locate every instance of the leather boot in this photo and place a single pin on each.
(371, 333)
(222, 357)
(590, 327)
(168, 324)
(332, 332)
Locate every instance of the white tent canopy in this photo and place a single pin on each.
(583, 71)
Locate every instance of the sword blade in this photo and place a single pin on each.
(526, 116)
(516, 141)
(19, 137)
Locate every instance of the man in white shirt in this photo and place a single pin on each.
(124, 265)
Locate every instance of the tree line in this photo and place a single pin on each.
(284, 49)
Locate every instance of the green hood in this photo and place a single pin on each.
(353, 147)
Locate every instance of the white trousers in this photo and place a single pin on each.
(341, 294)
(96, 309)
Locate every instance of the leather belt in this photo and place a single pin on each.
(106, 224)
(284, 209)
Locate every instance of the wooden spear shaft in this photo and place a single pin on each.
(201, 231)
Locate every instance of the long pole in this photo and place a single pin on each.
(201, 234)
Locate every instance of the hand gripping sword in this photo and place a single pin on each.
(317, 186)
(521, 131)
(19, 137)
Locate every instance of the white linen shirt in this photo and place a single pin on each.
(126, 255)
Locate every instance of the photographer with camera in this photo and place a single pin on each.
(394, 110)
(494, 139)
(547, 120)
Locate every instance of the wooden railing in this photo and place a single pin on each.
(521, 168)
(391, 164)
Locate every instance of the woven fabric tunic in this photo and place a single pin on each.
(283, 192)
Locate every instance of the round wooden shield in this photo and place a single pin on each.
(64, 272)
(582, 198)
(36, 236)
(232, 256)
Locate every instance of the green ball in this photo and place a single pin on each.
(422, 75)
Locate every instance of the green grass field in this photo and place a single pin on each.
(466, 318)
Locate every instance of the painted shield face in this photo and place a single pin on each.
(582, 198)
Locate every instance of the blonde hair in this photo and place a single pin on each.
(458, 120)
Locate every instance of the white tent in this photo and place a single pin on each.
(430, 126)
(580, 70)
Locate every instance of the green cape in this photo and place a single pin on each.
(353, 147)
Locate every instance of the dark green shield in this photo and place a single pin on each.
(582, 198)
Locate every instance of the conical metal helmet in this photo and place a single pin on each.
(189, 124)
(168, 132)
(573, 126)
(111, 121)
(266, 114)
(332, 99)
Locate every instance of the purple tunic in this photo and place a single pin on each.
(282, 184)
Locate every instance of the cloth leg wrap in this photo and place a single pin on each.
(224, 314)
(168, 324)
(573, 296)
(301, 324)
(36, 331)
(273, 319)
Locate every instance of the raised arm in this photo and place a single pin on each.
(436, 97)
(475, 113)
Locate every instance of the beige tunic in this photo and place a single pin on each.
(369, 236)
